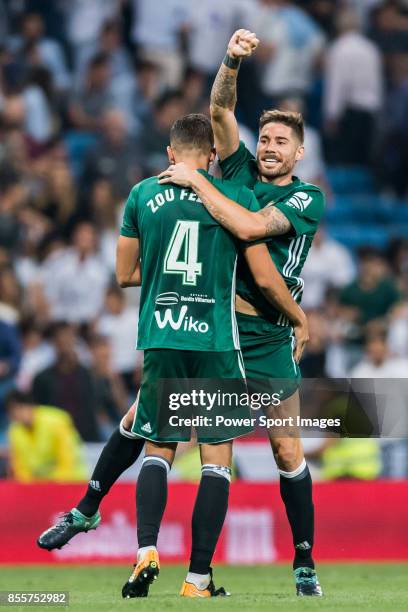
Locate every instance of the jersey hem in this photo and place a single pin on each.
(172, 347)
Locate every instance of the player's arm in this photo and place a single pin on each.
(224, 93)
(244, 224)
(274, 288)
(128, 273)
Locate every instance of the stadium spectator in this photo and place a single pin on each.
(11, 296)
(56, 191)
(398, 330)
(79, 269)
(312, 168)
(10, 358)
(85, 20)
(135, 96)
(314, 358)
(158, 39)
(378, 361)
(44, 444)
(195, 88)
(352, 98)
(12, 197)
(393, 169)
(37, 354)
(94, 98)
(210, 24)
(69, 385)
(105, 212)
(389, 26)
(115, 157)
(48, 51)
(111, 398)
(329, 264)
(291, 46)
(118, 323)
(110, 43)
(348, 458)
(368, 298)
(3, 21)
(155, 136)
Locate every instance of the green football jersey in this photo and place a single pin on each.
(188, 264)
(302, 204)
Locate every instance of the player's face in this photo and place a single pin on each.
(278, 151)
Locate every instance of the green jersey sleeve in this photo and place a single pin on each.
(247, 199)
(130, 227)
(303, 209)
(240, 167)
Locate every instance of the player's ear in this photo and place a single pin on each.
(213, 155)
(170, 155)
(300, 153)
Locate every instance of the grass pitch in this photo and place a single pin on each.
(346, 587)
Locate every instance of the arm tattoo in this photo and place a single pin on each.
(275, 221)
(224, 89)
(218, 216)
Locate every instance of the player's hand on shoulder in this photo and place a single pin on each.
(242, 44)
(178, 174)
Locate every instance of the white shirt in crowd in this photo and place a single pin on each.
(354, 76)
(38, 120)
(211, 25)
(312, 166)
(328, 264)
(74, 288)
(398, 335)
(85, 19)
(392, 367)
(296, 42)
(157, 24)
(33, 361)
(121, 330)
(390, 394)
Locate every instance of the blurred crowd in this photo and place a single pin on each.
(88, 92)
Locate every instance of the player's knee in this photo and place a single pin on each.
(287, 455)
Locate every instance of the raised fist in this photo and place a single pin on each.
(242, 44)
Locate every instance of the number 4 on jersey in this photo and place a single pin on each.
(182, 252)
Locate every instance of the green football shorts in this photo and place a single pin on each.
(185, 389)
(267, 350)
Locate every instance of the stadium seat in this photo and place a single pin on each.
(354, 235)
(77, 145)
(350, 180)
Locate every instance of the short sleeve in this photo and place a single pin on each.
(130, 227)
(247, 199)
(304, 210)
(239, 166)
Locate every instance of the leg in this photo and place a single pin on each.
(296, 493)
(118, 454)
(208, 517)
(295, 485)
(151, 498)
(151, 492)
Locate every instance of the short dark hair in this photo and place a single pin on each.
(167, 97)
(292, 119)
(99, 59)
(18, 397)
(192, 131)
(57, 327)
(369, 252)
